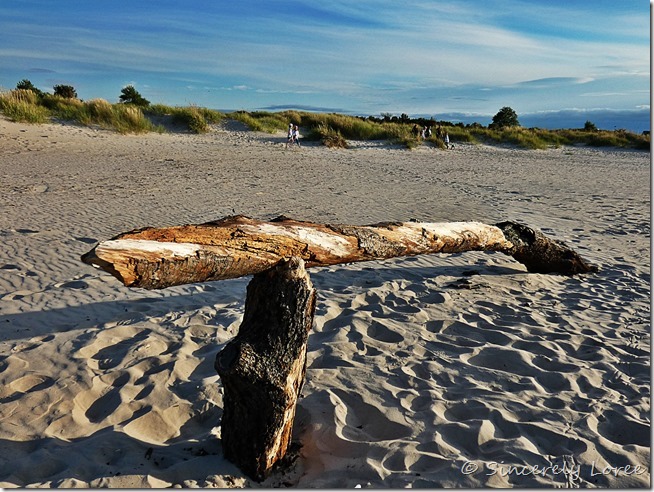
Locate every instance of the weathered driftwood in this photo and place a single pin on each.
(541, 254)
(263, 367)
(155, 258)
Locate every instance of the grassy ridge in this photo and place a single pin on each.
(333, 130)
(27, 107)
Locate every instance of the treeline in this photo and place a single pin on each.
(135, 114)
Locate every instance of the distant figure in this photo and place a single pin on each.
(415, 130)
(447, 140)
(423, 134)
(296, 135)
(289, 135)
(428, 133)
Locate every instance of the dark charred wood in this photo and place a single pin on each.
(541, 254)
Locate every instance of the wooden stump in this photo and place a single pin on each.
(263, 367)
(541, 254)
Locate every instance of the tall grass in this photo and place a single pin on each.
(123, 118)
(195, 118)
(22, 106)
(330, 128)
(130, 119)
(329, 137)
(262, 121)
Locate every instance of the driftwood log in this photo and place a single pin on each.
(155, 258)
(263, 367)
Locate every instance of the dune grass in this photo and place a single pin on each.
(195, 118)
(23, 106)
(332, 129)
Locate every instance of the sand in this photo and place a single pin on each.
(438, 371)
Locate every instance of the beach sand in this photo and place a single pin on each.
(431, 371)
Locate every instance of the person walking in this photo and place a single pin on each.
(289, 135)
(447, 140)
(296, 135)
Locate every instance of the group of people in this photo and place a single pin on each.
(293, 136)
(425, 133)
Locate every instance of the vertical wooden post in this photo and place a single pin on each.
(263, 368)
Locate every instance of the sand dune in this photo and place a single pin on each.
(439, 371)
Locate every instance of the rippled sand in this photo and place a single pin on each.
(439, 371)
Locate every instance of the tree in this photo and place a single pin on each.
(590, 126)
(65, 91)
(505, 117)
(28, 86)
(129, 95)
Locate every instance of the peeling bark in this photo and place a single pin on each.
(155, 258)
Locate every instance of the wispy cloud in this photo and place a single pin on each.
(553, 82)
(369, 56)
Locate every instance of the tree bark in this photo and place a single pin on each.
(263, 367)
(540, 254)
(155, 258)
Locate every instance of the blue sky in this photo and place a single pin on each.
(558, 61)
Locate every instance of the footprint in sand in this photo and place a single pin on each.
(360, 421)
(25, 384)
(74, 284)
(467, 410)
(30, 344)
(400, 461)
(511, 361)
(15, 296)
(382, 333)
(113, 345)
(108, 403)
(617, 428)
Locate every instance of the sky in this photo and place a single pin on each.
(557, 63)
